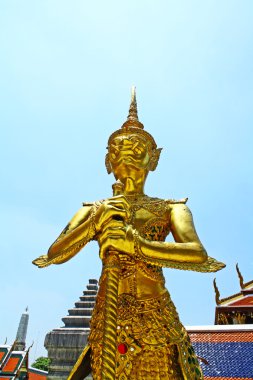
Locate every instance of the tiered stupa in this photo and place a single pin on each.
(65, 344)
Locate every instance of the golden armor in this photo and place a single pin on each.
(135, 329)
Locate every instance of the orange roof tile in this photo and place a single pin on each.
(12, 364)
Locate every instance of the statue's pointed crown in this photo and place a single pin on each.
(132, 124)
(132, 119)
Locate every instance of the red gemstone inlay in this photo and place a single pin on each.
(122, 348)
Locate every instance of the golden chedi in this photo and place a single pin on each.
(135, 329)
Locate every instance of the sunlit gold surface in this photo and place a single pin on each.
(133, 227)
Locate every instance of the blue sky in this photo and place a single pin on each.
(66, 70)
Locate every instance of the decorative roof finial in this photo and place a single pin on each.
(217, 293)
(240, 276)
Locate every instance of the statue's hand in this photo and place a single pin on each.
(113, 208)
(41, 262)
(116, 237)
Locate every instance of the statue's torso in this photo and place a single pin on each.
(149, 332)
(151, 218)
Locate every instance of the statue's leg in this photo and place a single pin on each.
(152, 342)
(96, 361)
(96, 338)
(175, 332)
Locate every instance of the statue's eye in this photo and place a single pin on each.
(138, 147)
(114, 151)
(138, 150)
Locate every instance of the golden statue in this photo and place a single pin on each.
(135, 329)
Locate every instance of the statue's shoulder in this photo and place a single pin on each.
(167, 201)
(174, 201)
(175, 204)
(159, 206)
(179, 208)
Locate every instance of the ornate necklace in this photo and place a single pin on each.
(132, 198)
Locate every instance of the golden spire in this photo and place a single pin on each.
(132, 119)
(133, 112)
(240, 276)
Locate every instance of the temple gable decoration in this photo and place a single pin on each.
(236, 309)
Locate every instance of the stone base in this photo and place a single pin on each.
(64, 346)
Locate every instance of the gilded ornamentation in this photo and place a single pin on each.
(234, 317)
(135, 329)
(149, 335)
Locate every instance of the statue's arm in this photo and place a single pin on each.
(187, 247)
(79, 231)
(185, 253)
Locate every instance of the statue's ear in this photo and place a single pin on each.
(108, 164)
(154, 159)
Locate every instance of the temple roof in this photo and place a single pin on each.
(242, 298)
(228, 350)
(14, 365)
(14, 358)
(11, 361)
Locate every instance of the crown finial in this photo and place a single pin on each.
(133, 113)
(132, 119)
(133, 94)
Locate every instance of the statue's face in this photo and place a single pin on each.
(129, 153)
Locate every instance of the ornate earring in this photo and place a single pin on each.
(154, 159)
(108, 164)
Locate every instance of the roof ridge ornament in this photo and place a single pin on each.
(240, 276)
(217, 293)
